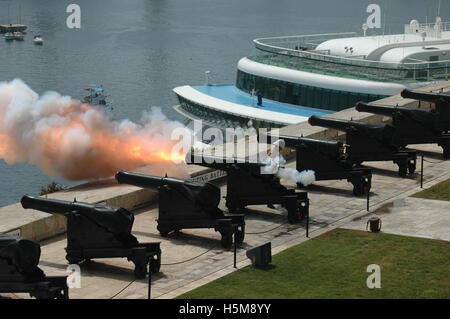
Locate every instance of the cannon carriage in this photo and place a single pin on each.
(441, 103)
(99, 231)
(371, 142)
(20, 273)
(328, 159)
(184, 204)
(249, 184)
(417, 125)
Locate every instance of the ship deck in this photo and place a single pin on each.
(231, 100)
(400, 58)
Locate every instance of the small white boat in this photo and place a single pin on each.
(18, 36)
(9, 36)
(38, 40)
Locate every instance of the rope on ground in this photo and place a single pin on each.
(433, 162)
(176, 263)
(185, 261)
(266, 231)
(317, 223)
(123, 289)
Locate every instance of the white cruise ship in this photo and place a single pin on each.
(293, 77)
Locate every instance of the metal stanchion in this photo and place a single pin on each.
(235, 249)
(149, 281)
(307, 223)
(368, 200)
(421, 172)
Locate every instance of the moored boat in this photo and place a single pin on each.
(9, 36)
(19, 36)
(97, 96)
(4, 28)
(38, 40)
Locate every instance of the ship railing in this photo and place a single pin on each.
(294, 51)
(430, 28)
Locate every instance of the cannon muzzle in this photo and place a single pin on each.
(343, 125)
(146, 181)
(378, 109)
(427, 96)
(51, 206)
(337, 124)
(295, 141)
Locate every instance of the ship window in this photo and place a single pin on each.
(325, 98)
(288, 92)
(318, 97)
(434, 58)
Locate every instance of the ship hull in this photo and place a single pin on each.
(4, 28)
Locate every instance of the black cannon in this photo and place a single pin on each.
(414, 125)
(184, 204)
(329, 160)
(19, 271)
(99, 231)
(247, 185)
(371, 142)
(441, 102)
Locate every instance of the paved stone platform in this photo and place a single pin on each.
(332, 205)
(409, 216)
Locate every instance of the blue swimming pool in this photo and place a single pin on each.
(232, 94)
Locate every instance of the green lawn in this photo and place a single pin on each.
(334, 266)
(439, 191)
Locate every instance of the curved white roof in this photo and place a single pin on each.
(375, 47)
(412, 54)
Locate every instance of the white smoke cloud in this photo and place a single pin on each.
(305, 177)
(274, 165)
(77, 141)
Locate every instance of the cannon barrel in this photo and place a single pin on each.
(146, 181)
(205, 195)
(295, 141)
(219, 162)
(53, 206)
(342, 125)
(379, 109)
(329, 148)
(426, 96)
(116, 220)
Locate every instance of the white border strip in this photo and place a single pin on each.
(323, 81)
(191, 94)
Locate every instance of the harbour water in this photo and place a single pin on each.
(140, 49)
